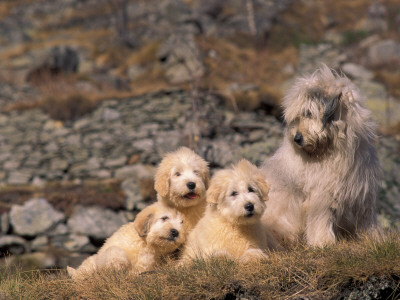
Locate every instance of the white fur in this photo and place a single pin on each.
(326, 188)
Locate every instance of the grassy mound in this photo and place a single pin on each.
(350, 270)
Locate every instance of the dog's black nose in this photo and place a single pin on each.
(249, 207)
(174, 233)
(298, 139)
(191, 185)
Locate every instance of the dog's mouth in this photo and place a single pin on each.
(309, 148)
(169, 238)
(191, 195)
(249, 214)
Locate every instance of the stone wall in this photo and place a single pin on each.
(125, 140)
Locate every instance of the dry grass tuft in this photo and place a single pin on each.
(314, 273)
(67, 108)
(230, 62)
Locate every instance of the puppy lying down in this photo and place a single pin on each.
(231, 225)
(140, 245)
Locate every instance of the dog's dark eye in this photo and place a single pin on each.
(251, 190)
(308, 114)
(234, 193)
(165, 218)
(177, 174)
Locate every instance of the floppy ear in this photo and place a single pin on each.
(213, 193)
(143, 221)
(217, 185)
(330, 109)
(161, 180)
(263, 186)
(205, 174)
(249, 168)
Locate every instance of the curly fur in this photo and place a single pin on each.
(139, 246)
(175, 171)
(324, 177)
(228, 227)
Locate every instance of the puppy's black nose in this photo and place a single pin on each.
(191, 185)
(298, 139)
(174, 233)
(249, 207)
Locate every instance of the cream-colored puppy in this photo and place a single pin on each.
(140, 245)
(231, 225)
(181, 182)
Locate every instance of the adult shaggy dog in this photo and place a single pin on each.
(324, 177)
(140, 246)
(231, 225)
(181, 182)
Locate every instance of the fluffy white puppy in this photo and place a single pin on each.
(324, 177)
(141, 245)
(231, 225)
(181, 182)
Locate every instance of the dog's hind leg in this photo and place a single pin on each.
(114, 257)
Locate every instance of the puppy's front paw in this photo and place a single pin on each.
(252, 254)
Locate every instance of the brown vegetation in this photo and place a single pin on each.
(65, 196)
(314, 273)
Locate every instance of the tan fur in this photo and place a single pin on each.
(324, 177)
(227, 228)
(171, 189)
(140, 245)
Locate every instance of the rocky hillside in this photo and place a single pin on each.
(93, 93)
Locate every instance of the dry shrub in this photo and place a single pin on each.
(313, 273)
(64, 196)
(62, 98)
(229, 62)
(246, 100)
(145, 55)
(67, 108)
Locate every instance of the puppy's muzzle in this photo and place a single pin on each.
(173, 234)
(191, 185)
(298, 139)
(249, 207)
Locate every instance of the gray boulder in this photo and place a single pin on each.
(4, 223)
(136, 171)
(180, 57)
(78, 243)
(377, 18)
(382, 53)
(131, 189)
(34, 217)
(357, 71)
(94, 221)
